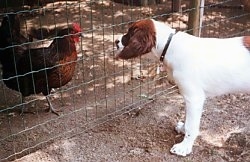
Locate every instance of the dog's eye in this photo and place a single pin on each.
(125, 40)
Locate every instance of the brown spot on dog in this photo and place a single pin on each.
(246, 41)
(139, 40)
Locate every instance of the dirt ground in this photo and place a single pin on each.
(120, 110)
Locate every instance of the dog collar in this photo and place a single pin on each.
(166, 47)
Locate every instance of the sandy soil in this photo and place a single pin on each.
(121, 111)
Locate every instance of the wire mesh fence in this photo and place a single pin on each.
(102, 88)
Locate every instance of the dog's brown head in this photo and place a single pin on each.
(139, 40)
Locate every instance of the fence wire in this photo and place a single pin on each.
(102, 88)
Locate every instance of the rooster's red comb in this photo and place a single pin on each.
(77, 27)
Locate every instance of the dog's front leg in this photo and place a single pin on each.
(194, 100)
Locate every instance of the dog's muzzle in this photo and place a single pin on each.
(119, 47)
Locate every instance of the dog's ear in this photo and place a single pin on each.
(140, 42)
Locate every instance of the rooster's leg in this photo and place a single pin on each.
(51, 108)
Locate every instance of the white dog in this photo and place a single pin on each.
(200, 67)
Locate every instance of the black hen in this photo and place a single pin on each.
(40, 70)
(12, 42)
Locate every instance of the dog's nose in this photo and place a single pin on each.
(116, 43)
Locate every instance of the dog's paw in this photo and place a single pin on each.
(180, 128)
(181, 149)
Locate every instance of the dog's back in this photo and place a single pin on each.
(218, 65)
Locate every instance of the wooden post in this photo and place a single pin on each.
(202, 5)
(194, 17)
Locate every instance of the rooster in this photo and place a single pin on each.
(39, 70)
